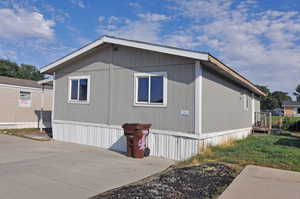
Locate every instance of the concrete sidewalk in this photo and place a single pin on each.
(34, 170)
(264, 183)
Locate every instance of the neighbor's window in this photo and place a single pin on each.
(298, 110)
(151, 89)
(25, 99)
(79, 89)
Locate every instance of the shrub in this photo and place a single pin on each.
(291, 123)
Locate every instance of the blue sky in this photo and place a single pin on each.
(259, 39)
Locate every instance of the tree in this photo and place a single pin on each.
(281, 97)
(297, 93)
(273, 99)
(23, 71)
(266, 103)
(8, 68)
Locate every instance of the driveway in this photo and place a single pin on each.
(33, 170)
(263, 183)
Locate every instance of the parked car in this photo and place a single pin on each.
(277, 112)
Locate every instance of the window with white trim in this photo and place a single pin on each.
(246, 101)
(25, 99)
(79, 89)
(151, 89)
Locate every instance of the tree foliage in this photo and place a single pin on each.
(273, 99)
(281, 97)
(22, 71)
(297, 93)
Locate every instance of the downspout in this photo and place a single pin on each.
(53, 101)
(42, 109)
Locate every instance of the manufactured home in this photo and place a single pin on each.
(191, 98)
(25, 103)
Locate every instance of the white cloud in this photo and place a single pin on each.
(146, 27)
(113, 19)
(101, 19)
(137, 30)
(262, 45)
(78, 3)
(134, 5)
(56, 14)
(153, 17)
(20, 23)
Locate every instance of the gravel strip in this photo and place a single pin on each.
(204, 181)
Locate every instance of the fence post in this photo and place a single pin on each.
(270, 123)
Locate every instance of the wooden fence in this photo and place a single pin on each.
(262, 122)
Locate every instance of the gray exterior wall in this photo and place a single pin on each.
(112, 89)
(223, 104)
(111, 73)
(257, 104)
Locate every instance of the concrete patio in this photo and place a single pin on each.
(264, 183)
(32, 169)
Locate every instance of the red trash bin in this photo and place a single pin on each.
(135, 134)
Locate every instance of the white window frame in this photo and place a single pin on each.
(246, 101)
(88, 89)
(165, 89)
(30, 100)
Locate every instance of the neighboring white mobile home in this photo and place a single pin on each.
(24, 103)
(191, 99)
(291, 108)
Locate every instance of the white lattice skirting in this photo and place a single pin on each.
(166, 144)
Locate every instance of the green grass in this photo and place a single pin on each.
(275, 119)
(281, 152)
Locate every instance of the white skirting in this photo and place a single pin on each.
(167, 144)
(23, 125)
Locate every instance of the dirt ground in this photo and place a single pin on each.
(204, 181)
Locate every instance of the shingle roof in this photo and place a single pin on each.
(21, 82)
(290, 103)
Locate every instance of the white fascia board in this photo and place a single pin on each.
(25, 88)
(145, 46)
(290, 105)
(72, 55)
(161, 49)
(45, 81)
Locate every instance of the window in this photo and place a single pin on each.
(25, 99)
(79, 89)
(151, 89)
(246, 101)
(298, 111)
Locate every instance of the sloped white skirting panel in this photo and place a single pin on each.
(166, 144)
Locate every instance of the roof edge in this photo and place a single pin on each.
(236, 75)
(128, 43)
(157, 48)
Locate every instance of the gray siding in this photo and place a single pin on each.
(257, 104)
(223, 104)
(112, 89)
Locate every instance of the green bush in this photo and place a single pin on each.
(291, 123)
(286, 123)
